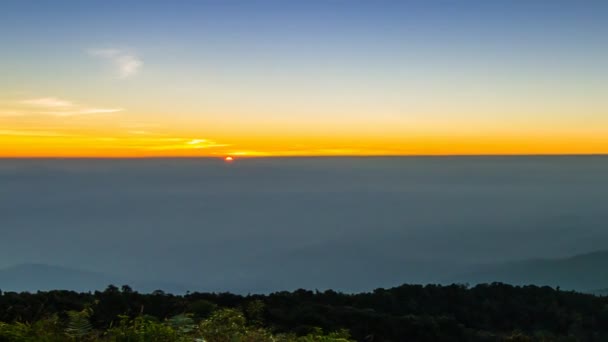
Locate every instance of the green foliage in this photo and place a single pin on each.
(224, 326)
(316, 335)
(201, 308)
(141, 329)
(254, 311)
(14, 332)
(319, 336)
(492, 312)
(230, 325)
(44, 330)
(183, 324)
(78, 326)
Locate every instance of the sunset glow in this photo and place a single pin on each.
(221, 80)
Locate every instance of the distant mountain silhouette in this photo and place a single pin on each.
(584, 272)
(34, 277)
(43, 277)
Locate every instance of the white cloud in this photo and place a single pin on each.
(83, 111)
(48, 102)
(60, 107)
(127, 64)
(184, 144)
(196, 141)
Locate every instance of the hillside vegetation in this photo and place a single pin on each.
(491, 312)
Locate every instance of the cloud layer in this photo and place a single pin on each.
(48, 102)
(127, 64)
(61, 107)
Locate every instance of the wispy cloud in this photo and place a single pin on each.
(196, 141)
(83, 111)
(59, 107)
(127, 64)
(31, 133)
(184, 144)
(48, 102)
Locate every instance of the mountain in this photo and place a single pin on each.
(43, 277)
(584, 272)
(34, 277)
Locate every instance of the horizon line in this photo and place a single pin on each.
(316, 156)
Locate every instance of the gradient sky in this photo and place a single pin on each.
(333, 77)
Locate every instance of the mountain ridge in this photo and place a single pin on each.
(33, 277)
(581, 272)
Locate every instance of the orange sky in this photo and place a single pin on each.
(47, 144)
(277, 79)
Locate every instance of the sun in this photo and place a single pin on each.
(228, 159)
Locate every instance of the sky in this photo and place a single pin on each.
(297, 78)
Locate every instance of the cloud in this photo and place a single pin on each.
(31, 133)
(60, 107)
(84, 111)
(48, 102)
(184, 144)
(196, 141)
(127, 64)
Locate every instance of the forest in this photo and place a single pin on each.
(488, 312)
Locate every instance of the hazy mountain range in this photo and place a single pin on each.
(267, 224)
(41, 277)
(585, 272)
